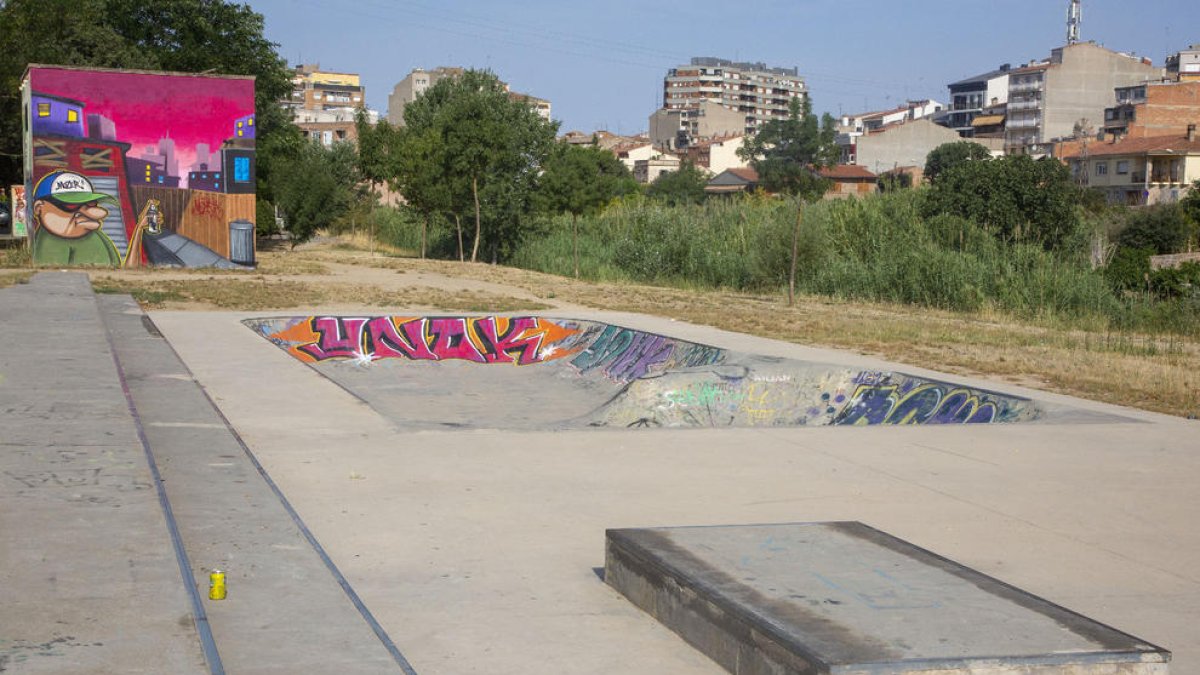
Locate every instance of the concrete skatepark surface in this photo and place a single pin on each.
(846, 598)
(542, 373)
(475, 549)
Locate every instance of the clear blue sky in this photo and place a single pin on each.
(601, 64)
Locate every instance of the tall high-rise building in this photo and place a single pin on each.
(744, 95)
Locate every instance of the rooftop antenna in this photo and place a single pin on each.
(1074, 18)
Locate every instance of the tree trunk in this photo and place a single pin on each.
(575, 238)
(424, 229)
(795, 255)
(458, 225)
(475, 194)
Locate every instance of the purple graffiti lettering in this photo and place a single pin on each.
(340, 337)
(450, 340)
(644, 353)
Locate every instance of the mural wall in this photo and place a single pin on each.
(17, 202)
(126, 169)
(619, 377)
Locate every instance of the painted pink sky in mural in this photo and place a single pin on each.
(146, 107)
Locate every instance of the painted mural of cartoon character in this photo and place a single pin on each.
(67, 215)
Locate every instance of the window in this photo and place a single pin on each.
(43, 110)
(72, 115)
(250, 122)
(241, 169)
(1101, 168)
(1122, 166)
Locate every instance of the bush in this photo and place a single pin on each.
(1129, 269)
(1176, 282)
(1163, 229)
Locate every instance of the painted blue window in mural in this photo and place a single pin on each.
(241, 169)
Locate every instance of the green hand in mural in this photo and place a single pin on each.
(67, 216)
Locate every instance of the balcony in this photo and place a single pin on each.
(1023, 122)
(1024, 87)
(1025, 105)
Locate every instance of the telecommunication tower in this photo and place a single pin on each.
(1074, 18)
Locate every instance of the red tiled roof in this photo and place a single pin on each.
(1141, 146)
(745, 173)
(846, 172)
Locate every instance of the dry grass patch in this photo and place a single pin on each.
(264, 293)
(14, 277)
(1159, 373)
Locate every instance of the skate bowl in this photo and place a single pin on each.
(530, 372)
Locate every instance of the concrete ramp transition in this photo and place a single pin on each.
(535, 373)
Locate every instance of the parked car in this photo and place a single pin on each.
(5, 221)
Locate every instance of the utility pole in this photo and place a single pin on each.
(1074, 18)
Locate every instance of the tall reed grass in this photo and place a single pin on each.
(876, 249)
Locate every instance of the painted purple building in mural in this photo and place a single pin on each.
(58, 116)
(243, 127)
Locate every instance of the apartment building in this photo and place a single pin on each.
(1140, 171)
(681, 127)
(1184, 65)
(970, 97)
(754, 92)
(419, 80)
(324, 104)
(413, 85)
(1153, 109)
(316, 89)
(1067, 94)
(852, 127)
(900, 145)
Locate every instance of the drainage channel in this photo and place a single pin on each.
(289, 608)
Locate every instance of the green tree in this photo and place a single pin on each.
(580, 181)
(177, 35)
(787, 153)
(410, 163)
(683, 186)
(320, 186)
(1191, 206)
(485, 146)
(1016, 199)
(949, 155)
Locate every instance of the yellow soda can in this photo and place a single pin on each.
(216, 585)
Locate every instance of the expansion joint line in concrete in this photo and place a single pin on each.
(366, 614)
(207, 644)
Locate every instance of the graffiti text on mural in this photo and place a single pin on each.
(519, 340)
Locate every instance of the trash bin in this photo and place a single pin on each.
(241, 242)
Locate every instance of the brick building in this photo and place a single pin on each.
(1153, 109)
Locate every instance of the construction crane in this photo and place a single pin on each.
(1074, 18)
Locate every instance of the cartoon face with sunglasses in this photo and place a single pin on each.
(67, 215)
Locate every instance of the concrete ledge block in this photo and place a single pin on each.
(846, 598)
